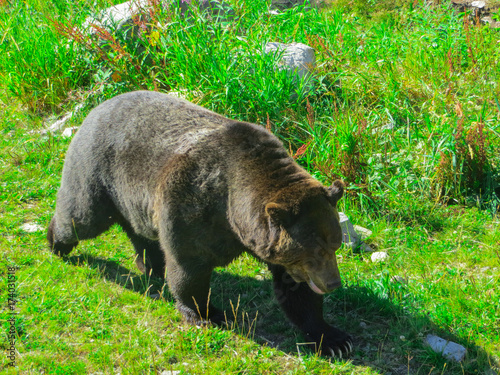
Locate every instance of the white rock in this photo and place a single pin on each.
(296, 57)
(123, 17)
(379, 256)
(31, 227)
(363, 232)
(448, 349)
(59, 124)
(117, 17)
(478, 4)
(168, 372)
(68, 132)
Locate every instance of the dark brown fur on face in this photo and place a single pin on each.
(193, 190)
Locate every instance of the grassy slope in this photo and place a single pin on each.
(90, 312)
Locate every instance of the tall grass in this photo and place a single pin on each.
(407, 104)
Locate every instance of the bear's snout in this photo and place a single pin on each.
(325, 277)
(334, 284)
(320, 287)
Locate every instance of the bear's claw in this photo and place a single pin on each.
(333, 354)
(349, 350)
(339, 350)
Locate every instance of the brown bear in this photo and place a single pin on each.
(193, 190)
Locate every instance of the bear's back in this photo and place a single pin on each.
(134, 133)
(145, 118)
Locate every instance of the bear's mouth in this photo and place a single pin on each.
(314, 287)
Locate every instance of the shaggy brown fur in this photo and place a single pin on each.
(193, 190)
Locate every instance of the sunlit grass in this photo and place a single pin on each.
(405, 109)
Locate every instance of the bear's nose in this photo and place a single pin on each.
(332, 285)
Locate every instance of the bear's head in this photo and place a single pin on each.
(306, 233)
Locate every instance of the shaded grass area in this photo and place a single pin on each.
(405, 110)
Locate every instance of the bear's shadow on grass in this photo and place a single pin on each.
(386, 337)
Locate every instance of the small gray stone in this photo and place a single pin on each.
(478, 4)
(296, 57)
(68, 132)
(298, 60)
(155, 296)
(349, 236)
(490, 21)
(448, 349)
(363, 232)
(31, 227)
(285, 4)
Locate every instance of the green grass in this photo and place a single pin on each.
(405, 109)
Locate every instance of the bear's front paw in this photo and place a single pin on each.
(214, 316)
(335, 343)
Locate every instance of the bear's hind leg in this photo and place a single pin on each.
(305, 309)
(150, 258)
(77, 217)
(58, 246)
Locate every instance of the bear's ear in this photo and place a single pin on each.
(277, 213)
(335, 192)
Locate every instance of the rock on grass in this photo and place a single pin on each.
(450, 350)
